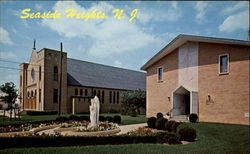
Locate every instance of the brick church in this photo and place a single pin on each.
(40, 81)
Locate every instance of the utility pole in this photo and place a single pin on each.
(60, 82)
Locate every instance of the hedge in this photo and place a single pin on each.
(38, 113)
(61, 141)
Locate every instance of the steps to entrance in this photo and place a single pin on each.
(180, 118)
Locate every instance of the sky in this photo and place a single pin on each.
(110, 41)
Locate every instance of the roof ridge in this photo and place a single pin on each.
(106, 65)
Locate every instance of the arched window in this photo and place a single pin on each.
(35, 93)
(94, 92)
(55, 75)
(103, 97)
(28, 94)
(32, 93)
(81, 92)
(76, 91)
(86, 92)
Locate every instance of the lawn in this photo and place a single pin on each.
(212, 138)
(125, 119)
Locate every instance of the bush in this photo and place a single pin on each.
(159, 115)
(169, 125)
(151, 122)
(109, 119)
(59, 141)
(117, 119)
(84, 118)
(113, 111)
(175, 126)
(62, 119)
(193, 117)
(160, 123)
(171, 138)
(186, 132)
(38, 113)
(74, 118)
(132, 112)
(102, 118)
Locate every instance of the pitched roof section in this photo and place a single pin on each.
(181, 39)
(82, 73)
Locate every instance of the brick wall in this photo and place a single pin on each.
(230, 92)
(158, 93)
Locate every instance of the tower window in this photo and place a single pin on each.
(55, 96)
(55, 76)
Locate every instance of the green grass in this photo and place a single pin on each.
(212, 138)
(125, 119)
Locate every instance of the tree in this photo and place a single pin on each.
(10, 89)
(132, 101)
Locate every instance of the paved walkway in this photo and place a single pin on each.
(127, 128)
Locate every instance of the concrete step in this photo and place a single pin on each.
(180, 118)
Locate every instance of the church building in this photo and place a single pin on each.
(50, 70)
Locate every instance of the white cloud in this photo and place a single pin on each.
(117, 63)
(236, 22)
(171, 13)
(38, 6)
(4, 36)
(236, 7)
(108, 36)
(8, 55)
(200, 7)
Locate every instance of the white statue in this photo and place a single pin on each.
(94, 109)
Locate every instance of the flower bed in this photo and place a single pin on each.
(142, 131)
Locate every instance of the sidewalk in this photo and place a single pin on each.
(127, 128)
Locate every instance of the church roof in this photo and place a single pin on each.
(182, 38)
(83, 73)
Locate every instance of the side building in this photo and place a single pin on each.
(202, 75)
(81, 81)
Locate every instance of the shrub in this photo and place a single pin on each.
(169, 125)
(113, 110)
(109, 119)
(159, 115)
(74, 118)
(193, 117)
(186, 132)
(38, 113)
(102, 118)
(117, 119)
(84, 118)
(62, 119)
(170, 138)
(132, 112)
(175, 126)
(151, 122)
(53, 141)
(160, 123)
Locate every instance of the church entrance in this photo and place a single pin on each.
(181, 102)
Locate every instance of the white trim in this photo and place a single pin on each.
(228, 60)
(158, 73)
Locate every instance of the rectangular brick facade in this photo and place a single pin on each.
(229, 92)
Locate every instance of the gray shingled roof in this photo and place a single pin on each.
(82, 73)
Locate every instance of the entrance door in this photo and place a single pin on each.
(181, 102)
